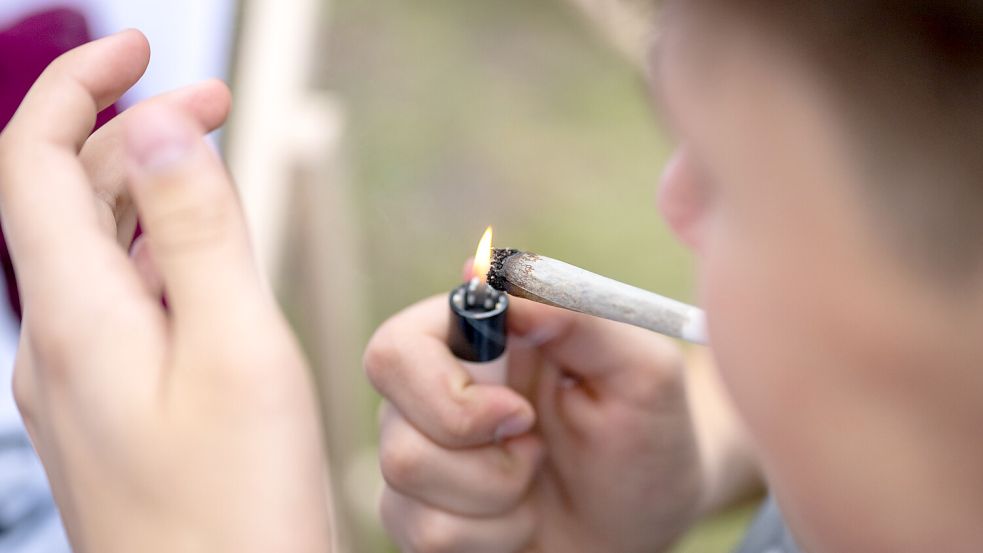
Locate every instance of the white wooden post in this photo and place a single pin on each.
(284, 149)
(627, 24)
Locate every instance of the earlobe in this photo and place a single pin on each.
(681, 199)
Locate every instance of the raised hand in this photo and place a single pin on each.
(186, 428)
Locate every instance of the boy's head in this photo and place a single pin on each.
(830, 181)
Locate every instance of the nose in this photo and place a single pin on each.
(682, 200)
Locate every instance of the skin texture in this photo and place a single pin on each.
(467, 468)
(855, 371)
(591, 449)
(157, 427)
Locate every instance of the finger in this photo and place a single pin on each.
(630, 361)
(410, 364)
(525, 362)
(570, 418)
(483, 481)
(62, 105)
(146, 268)
(194, 225)
(103, 155)
(421, 529)
(49, 217)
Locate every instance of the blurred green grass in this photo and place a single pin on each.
(512, 113)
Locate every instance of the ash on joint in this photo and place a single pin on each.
(496, 274)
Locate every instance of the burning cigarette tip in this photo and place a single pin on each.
(496, 272)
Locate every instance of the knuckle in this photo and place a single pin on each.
(516, 471)
(434, 532)
(54, 346)
(416, 527)
(460, 424)
(189, 223)
(400, 462)
(513, 482)
(382, 355)
(502, 494)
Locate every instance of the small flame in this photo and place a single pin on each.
(482, 257)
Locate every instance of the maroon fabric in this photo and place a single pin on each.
(26, 48)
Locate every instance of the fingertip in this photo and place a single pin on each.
(140, 44)
(220, 87)
(122, 60)
(214, 102)
(206, 102)
(158, 137)
(62, 105)
(140, 48)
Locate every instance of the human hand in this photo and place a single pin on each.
(591, 449)
(186, 428)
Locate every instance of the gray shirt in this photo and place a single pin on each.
(768, 533)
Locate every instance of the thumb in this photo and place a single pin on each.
(409, 363)
(191, 216)
(591, 362)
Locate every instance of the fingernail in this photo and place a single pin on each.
(516, 425)
(159, 140)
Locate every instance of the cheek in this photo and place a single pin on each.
(739, 325)
(763, 321)
(788, 357)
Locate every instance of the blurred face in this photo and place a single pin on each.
(828, 343)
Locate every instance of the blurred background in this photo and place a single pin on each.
(373, 141)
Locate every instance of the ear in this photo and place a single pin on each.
(682, 199)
